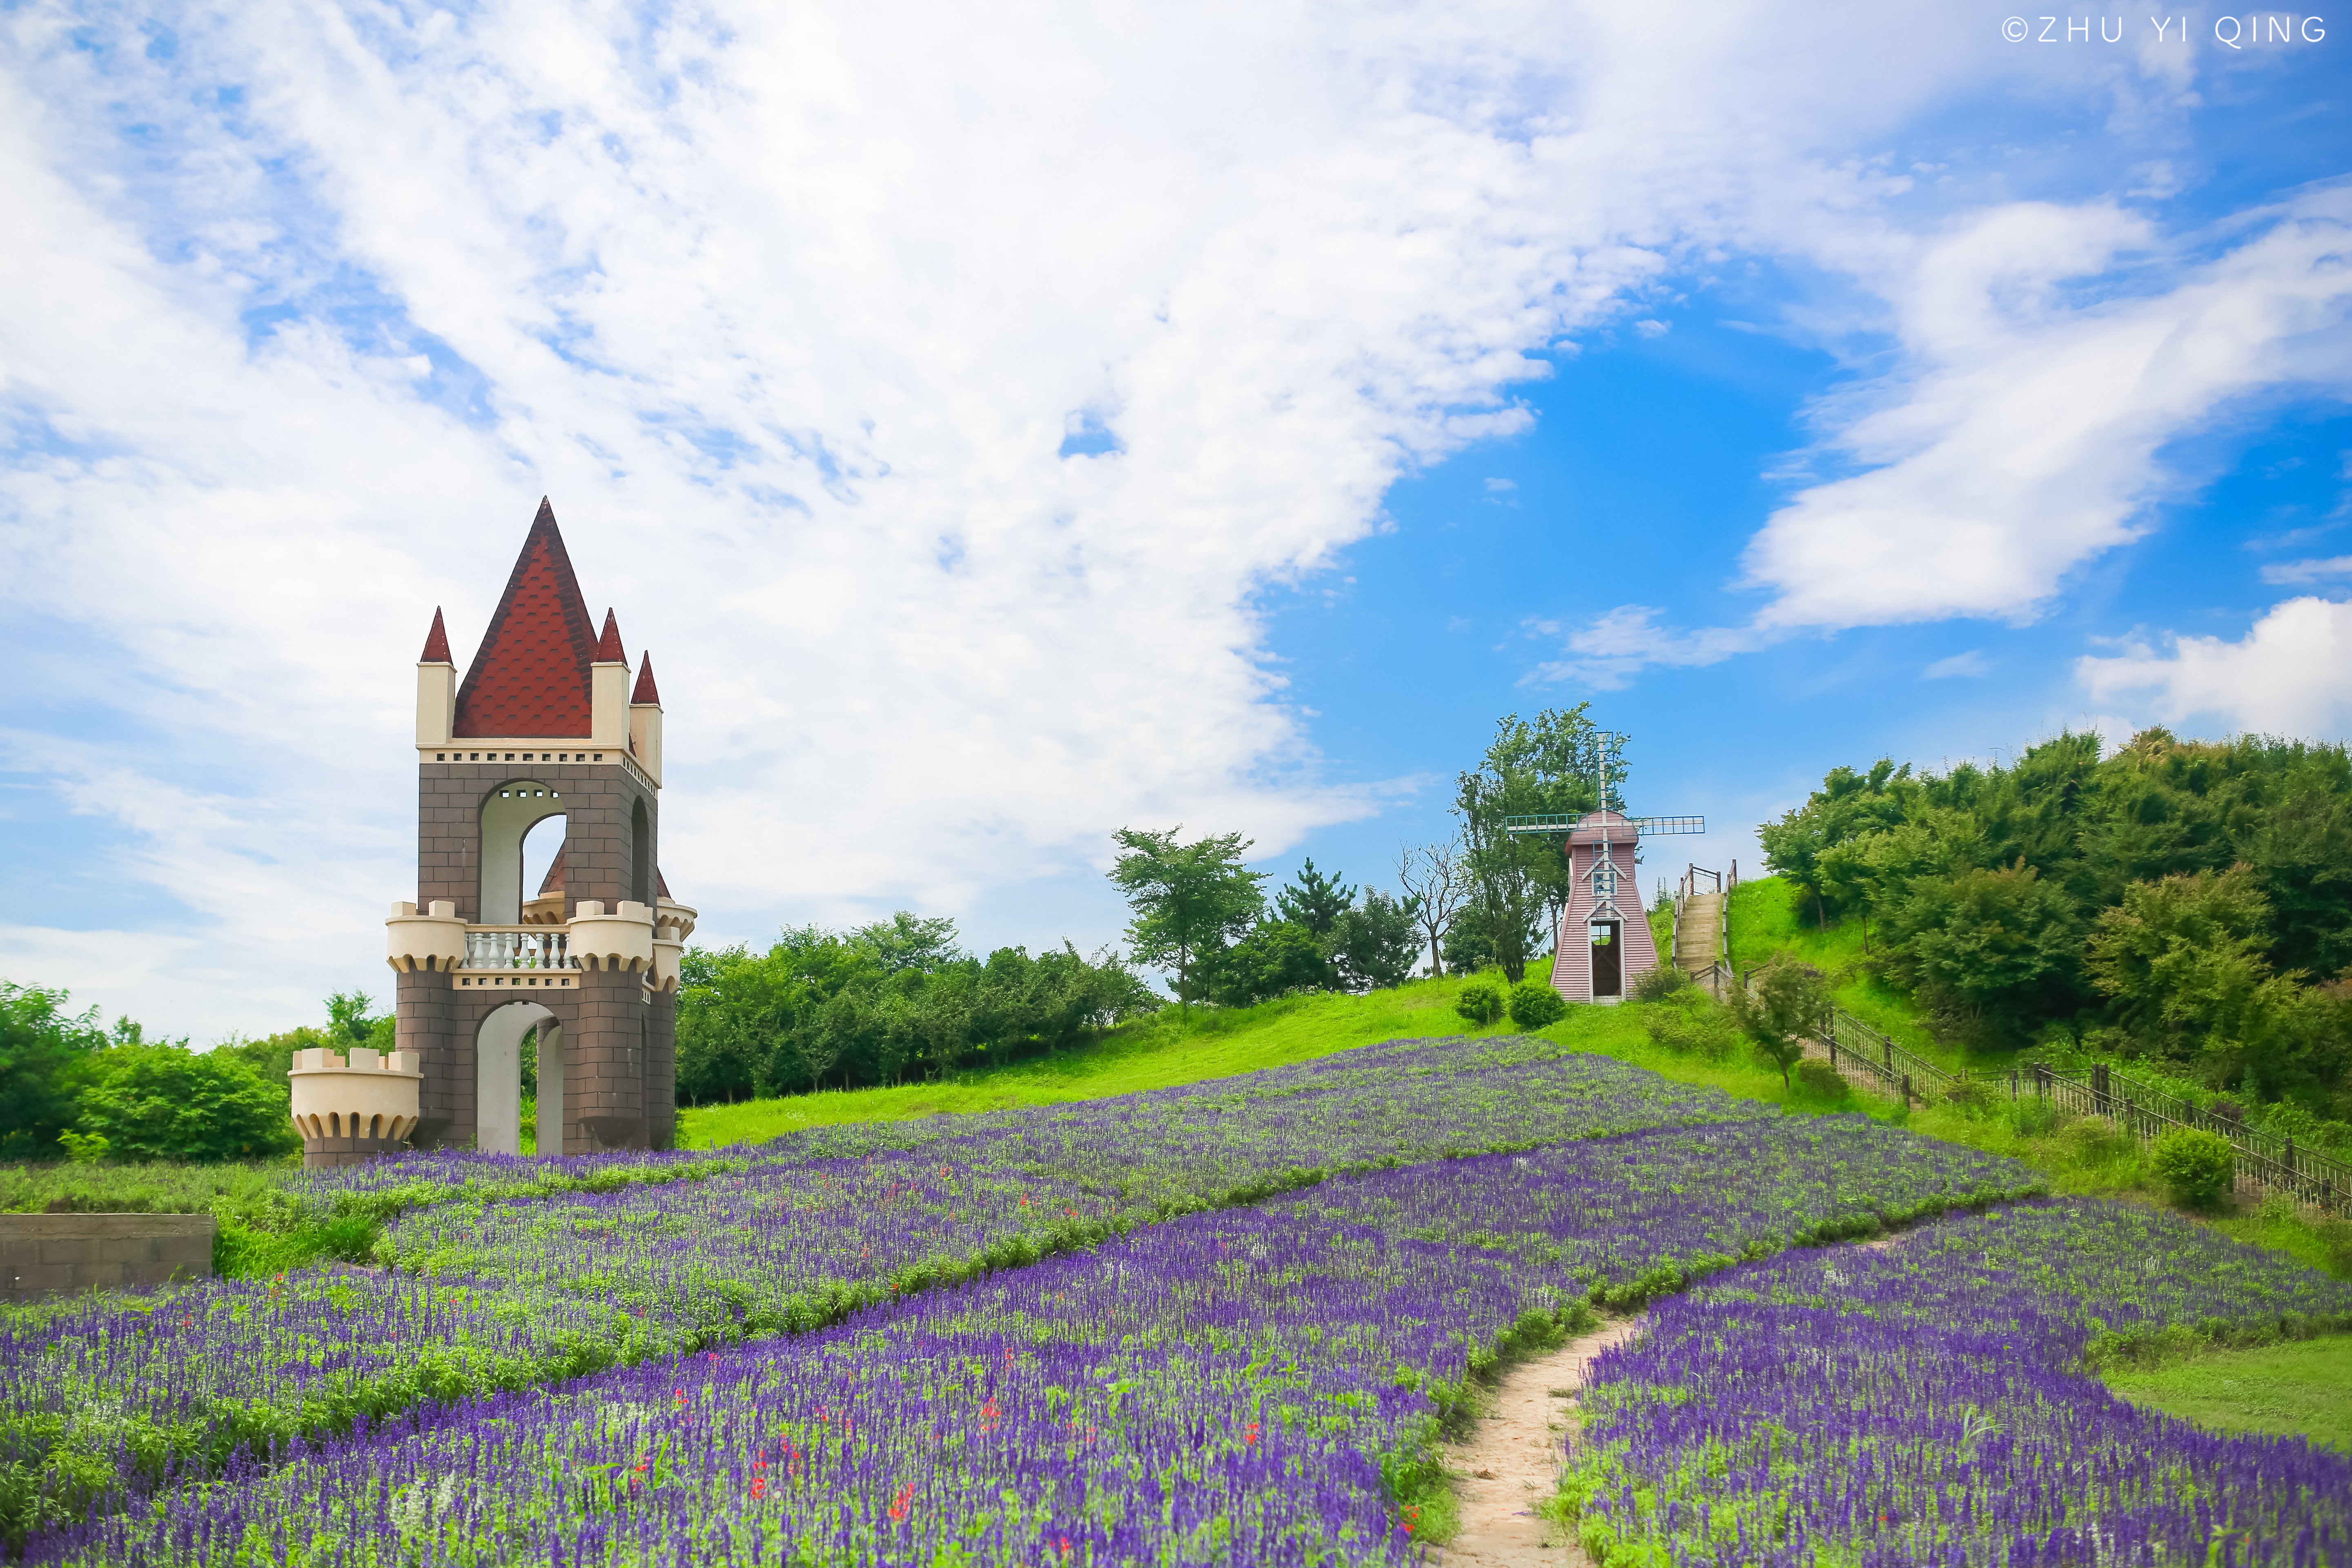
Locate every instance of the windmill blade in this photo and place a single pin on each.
(1566, 821)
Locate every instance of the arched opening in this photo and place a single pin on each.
(641, 855)
(509, 814)
(497, 1079)
(542, 872)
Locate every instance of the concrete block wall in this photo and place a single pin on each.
(50, 1254)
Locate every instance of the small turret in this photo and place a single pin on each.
(646, 721)
(609, 673)
(436, 688)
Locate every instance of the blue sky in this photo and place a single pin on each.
(1003, 430)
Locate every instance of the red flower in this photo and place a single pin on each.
(906, 1496)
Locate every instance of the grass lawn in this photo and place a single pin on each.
(2303, 1387)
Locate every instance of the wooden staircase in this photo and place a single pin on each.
(1699, 934)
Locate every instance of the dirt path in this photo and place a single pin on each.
(1512, 1462)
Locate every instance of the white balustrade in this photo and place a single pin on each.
(519, 947)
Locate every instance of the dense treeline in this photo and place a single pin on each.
(887, 1002)
(2179, 902)
(71, 1088)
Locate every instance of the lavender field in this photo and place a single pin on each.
(1258, 1384)
(106, 1392)
(1929, 1403)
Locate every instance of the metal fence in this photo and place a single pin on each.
(2273, 1162)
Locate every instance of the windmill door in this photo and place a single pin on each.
(1608, 959)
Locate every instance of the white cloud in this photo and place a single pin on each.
(2290, 675)
(2021, 436)
(1611, 651)
(789, 310)
(1972, 662)
(2295, 573)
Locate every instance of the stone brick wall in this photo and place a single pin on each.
(599, 800)
(604, 1064)
(661, 1070)
(48, 1254)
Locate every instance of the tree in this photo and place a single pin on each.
(1550, 765)
(167, 1102)
(1314, 900)
(1435, 882)
(1373, 945)
(907, 940)
(1988, 950)
(45, 1055)
(1274, 958)
(1189, 898)
(1779, 1007)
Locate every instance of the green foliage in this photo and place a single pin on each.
(892, 1000)
(2196, 1165)
(1991, 950)
(1659, 984)
(1274, 958)
(1520, 884)
(1189, 898)
(45, 1056)
(2186, 902)
(1315, 900)
(1374, 945)
(1819, 1081)
(167, 1102)
(1779, 1008)
(1534, 1005)
(1480, 1002)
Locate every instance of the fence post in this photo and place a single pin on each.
(2012, 1086)
(1906, 1091)
(2042, 1081)
(2099, 1087)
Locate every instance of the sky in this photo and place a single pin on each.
(1005, 424)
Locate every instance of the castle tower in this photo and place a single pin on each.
(545, 724)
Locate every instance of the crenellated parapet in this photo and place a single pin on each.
(352, 1109)
(621, 940)
(436, 939)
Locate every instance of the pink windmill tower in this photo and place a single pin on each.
(1603, 944)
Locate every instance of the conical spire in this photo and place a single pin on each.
(529, 678)
(436, 642)
(608, 646)
(645, 692)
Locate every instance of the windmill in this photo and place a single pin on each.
(1603, 944)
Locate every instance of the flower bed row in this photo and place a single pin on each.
(98, 1394)
(1930, 1402)
(1244, 1386)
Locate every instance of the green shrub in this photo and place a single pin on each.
(1660, 983)
(1533, 1004)
(1819, 1081)
(2093, 1139)
(1691, 1023)
(2195, 1166)
(1481, 1001)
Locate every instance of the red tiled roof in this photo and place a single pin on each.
(645, 692)
(530, 675)
(436, 642)
(661, 884)
(608, 646)
(553, 881)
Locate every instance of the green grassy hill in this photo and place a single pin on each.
(1765, 920)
